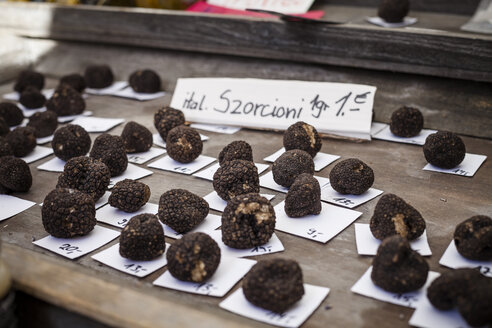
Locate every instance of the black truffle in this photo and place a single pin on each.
(11, 113)
(406, 122)
(137, 138)
(32, 98)
(5, 149)
(22, 141)
(473, 238)
(70, 141)
(76, 81)
(182, 210)
(235, 178)
(4, 127)
(393, 11)
(304, 197)
(68, 213)
(66, 101)
(248, 221)
(351, 176)
(43, 123)
(167, 118)
(183, 144)
(98, 76)
(397, 268)
(194, 258)
(236, 150)
(290, 164)
(274, 284)
(142, 239)
(111, 151)
(129, 195)
(444, 149)
(467, 290)
(145, 81)
(394, 216)
(302, 136)
(15, 175)
(85, 174)
(29, 78)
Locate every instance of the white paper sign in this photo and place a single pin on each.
(452, 259)
(330, 195)
(228, 273)
(38, 153)
(168, 164)
(108, 91)
(386, 134)
(407, 21)
(132, 172)
(53, 165)
(367, 244)
(128, 92)
(470, 165)
(337, 108)
(140, 158)
(427, 316)
(118, 218)
(11, 206)
(218, 204)
(41, 141)
(73, 248)
(267, 181)
(274, 245)
(68, 118)
(321, 160)
(292, 318)
(111, 257)
(97, 124)
(285, 6)
(208, 225)
(208, 173)
(158, 141)
(216, 128)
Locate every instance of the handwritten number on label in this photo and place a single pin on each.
(134, 268)
(313, 233)
(461, 172)
(69, 249)
(181, 169)
(343, 200)
(483, 269)
(409, 299)
(262, 249)
(122, 222)
(280, 317)
(205, 288)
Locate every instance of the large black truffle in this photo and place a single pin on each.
(29, 78)
(136, 137)
(303, 197)
(394, 216)
(145, 81)
(70, 141)
(302, 136)
(274, 284)
(74, 80)
(68, 213)
(167, 118)
(444, 149)
(235, 178)
(85, 174)
(22, 141)
(406, 122)
(473, 238)
(129, 195)
(142, 239)
(351, 176)
(5, 149)
(194, 258)
(4, 127)
(393, 11)
(290, 164)
(43, 123)
(15, 175)
(66, 101)
(183, 144)
(98, 76)
(238, 149)
(182, 210)
(111, 151)
(397, 268)
(32, 98)
(248, 221)
(11, 113)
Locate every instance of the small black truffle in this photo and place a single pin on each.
(85, 174)
(236, 150)
(248, 221)
(66, 101)
(473, 238)
(75, 80)
(303, 197)
(393, 11)
(5, 149)
(29, 78)
(394, 216)
(302, 136)
(129, 195)
(68, 213)
(142, 239)
(183, 144)
(22, 141)
(70, 141)
(136, 137)
(397, 268)
(145, 81)
(290, 164)
(406, 122)
(351, 176)
(11, 114)
(167, 118)
(444, 149)
(43, 123)
(4, 127)
(194, 258)
(182, 210)
(15, 175)
(32, 98)
(98, 76)
(274, 284)
(235, 178)
(111, 151)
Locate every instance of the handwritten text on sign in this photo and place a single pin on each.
(337, 108)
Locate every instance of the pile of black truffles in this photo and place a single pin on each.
(136, 137)
(406, 122)
(70, 141)
(238, 149)
(184, 144)
(235, 178)
(129, 195)
(393, 11)
(302, 136)
(66, 101)
(111, 151)
(98, 76)
(15, 175)
(303, 197)
(145, 81)
(473, 238)
(291, 164)
(167, 118)
(351, 176)
(444, 149)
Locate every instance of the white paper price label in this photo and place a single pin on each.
(38, 153)
(470, 165)
(118, 218)
(168, 164)
(452, 259)
(12, 206)
(140, 158)
(274, 245)
(328, 194)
